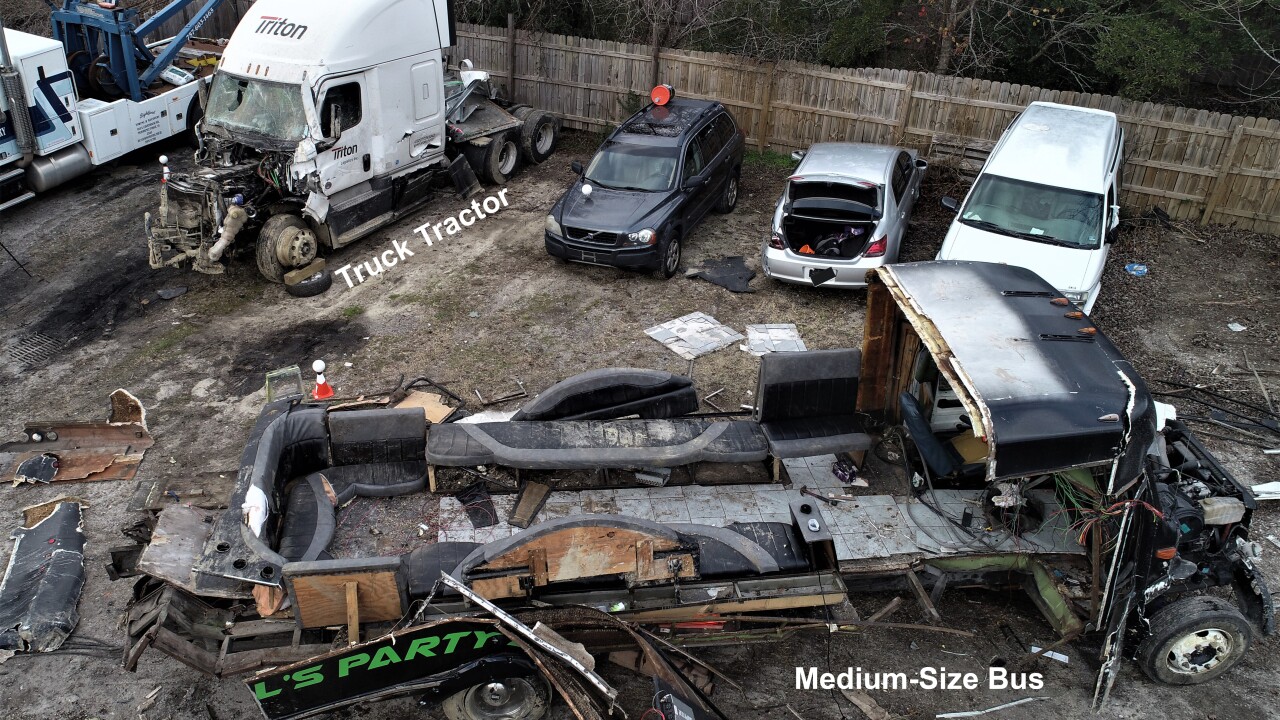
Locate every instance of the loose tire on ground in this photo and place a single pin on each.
(311, 286)
(494, 161)
(268, 259)
(519, 698)
(538, 137)
(1193, 640)
(729, 199)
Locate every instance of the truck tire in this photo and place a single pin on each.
(517, 698)
(520, 112)
(538, 137)
(494, 161)
(267, 250)
(1193, 640)
(311, 286)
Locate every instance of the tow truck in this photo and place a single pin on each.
(92, 93)
(1001, 440)
(327, 120)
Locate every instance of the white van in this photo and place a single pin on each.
(1046, 200)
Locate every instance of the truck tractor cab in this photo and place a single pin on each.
(315, 134)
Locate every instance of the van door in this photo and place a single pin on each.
(426, 139)
(346, 127)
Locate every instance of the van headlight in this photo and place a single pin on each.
(553, 227)
(1077, 297)
(644, 237)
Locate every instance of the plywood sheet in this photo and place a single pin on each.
(321, 600)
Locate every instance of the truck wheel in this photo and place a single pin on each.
(495, 161)
(538, 137)
(518, 698)
(284, 243)
(520, 112)
(1193, 640)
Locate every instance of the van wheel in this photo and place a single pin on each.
(284, 243)
(538, 137)
(494, 161)
(1193, 640)
(517, 698)
(729, 200)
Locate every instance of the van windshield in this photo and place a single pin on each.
(1041, 213)
(256, 107)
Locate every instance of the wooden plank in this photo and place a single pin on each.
(1156, 192)
(1219, 188)
(353, 612)
(1188, 169)
(765, 117)
(533, 495)
(931, 612)
(321, 600)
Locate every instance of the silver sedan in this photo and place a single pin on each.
(843, 212)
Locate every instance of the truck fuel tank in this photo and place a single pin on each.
(50, 171)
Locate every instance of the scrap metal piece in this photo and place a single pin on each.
(42, 582)
(88, 451)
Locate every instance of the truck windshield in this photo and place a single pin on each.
(267, 109)
(623, 166)
(1041, 213)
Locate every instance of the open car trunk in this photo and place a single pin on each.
(846, 238)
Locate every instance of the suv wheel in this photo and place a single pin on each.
(671, 251)
(729, 200)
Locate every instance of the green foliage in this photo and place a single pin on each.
(1154, 57)
(767, 159)
(858, 38)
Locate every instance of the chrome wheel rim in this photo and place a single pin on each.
(546, 134)
(673, 255)
(1199, 652)
(507, 157)
(511, 699)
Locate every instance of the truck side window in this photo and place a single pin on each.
(346, 98)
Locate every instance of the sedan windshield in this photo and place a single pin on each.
(623, 166)
(266, 109)
(1041, 213)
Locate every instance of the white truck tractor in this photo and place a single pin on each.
(326, 120)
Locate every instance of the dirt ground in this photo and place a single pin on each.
(484, 308)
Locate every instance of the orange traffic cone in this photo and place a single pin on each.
(323, 390)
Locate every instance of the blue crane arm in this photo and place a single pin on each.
(155, 21)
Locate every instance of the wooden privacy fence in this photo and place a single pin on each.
(1196, 165)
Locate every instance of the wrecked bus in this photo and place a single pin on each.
(986, 434)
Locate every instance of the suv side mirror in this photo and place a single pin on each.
(576, 167)
(694, 182)
(951, 204)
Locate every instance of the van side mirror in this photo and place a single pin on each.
(951, 204)
(798, 155)
(576, 167)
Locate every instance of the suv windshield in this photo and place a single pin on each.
(266, 109)
(624, 166)
(1041, 213)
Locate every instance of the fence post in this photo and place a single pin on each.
(766, 108)
(1224, 171)
(654, 39)
(511, 56)
(904, 110)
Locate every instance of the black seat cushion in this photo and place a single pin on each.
(942, 458)
(807, 400)
(609, 393)
(384, 435)
(422, 566)
(308, 521)
(377, 479)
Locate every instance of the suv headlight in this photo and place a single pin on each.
(646, 236)
(1077, 297)
(553, 227)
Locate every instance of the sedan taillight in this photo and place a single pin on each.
(877, 248)
(775, 241)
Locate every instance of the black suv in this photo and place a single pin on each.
(647, 187)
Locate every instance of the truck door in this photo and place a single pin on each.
(426, 139)
(345, 125)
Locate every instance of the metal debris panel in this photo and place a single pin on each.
(694, 335)
(762, 339)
